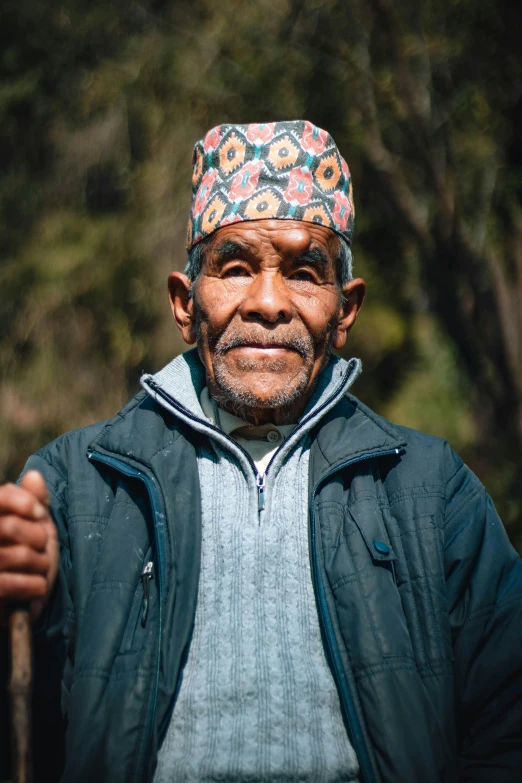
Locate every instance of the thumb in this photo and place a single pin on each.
(34, 482)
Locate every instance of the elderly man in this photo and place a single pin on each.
(259, 578)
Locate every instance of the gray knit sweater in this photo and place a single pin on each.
(257, 700)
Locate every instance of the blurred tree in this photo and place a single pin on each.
(435, 103)
(100, 105)
(440, 101)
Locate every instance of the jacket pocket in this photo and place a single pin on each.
(368, 520)
(359, 560)
(140, 608)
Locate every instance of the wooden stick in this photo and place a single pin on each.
(20, 690)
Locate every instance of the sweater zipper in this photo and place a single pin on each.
(146, 575)
(260, 478)
(347, 700)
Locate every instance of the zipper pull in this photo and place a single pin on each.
(146, 576)
(260, 484)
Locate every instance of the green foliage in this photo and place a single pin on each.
(100, 104)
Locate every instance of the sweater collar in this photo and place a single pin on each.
(183, 380)
(230, 423)
(348, 431)
(178, 386)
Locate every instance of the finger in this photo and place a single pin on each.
(24, 560)
(22, 587)
(21, 502)
(52, 533)
(17, 530)
(34, 482)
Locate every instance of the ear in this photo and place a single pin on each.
(182, 305)
(353, 296)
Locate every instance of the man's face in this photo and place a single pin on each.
(266, 311)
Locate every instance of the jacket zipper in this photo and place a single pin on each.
(347, 701)
(146, 576)
(354, 729)
(158, 515)
(259, 477)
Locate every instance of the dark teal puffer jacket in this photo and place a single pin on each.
(418, 590)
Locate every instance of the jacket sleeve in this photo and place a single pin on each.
(484, 591)
(50, 651)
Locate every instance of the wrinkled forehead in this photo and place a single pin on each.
(272, 237)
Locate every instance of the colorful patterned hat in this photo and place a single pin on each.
(284, 170)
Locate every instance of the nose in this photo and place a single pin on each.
(267, 298)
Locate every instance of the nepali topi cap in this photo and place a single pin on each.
(288, 170)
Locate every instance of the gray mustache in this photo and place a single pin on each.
(302, 345)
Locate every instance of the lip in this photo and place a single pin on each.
(271, 348)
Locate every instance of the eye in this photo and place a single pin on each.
(236, 270)
(303, 275)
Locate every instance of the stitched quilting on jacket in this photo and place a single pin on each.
(418, 591)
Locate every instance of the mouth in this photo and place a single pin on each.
(266, 345)
(265, 348)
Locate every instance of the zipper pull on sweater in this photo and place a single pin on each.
(260, 484)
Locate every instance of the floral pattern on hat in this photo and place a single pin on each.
(231, 154)
(314, 139)
(262, 206)
(328, 172)
(342, 210)
(289, 170)
(260, 134)
(212, 139)
(244, 183)
(197, 167)
(204, 191)
(317, 214)
(283, 153)
(300, 187)
(213, 214)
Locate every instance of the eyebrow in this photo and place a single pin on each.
(313, 256)
(230, 249)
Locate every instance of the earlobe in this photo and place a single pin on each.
(353, 293)
(339, 337)
(182, 305)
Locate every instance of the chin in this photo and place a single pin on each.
(260, 390)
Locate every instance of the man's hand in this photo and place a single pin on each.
(29, 552)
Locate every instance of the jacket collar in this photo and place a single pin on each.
(177, 388)
(348, 432)
(183, 380)
(140, 431)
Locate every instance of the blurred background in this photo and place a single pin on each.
(100, 104)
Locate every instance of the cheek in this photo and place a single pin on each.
(217, 301)
(318, 310)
